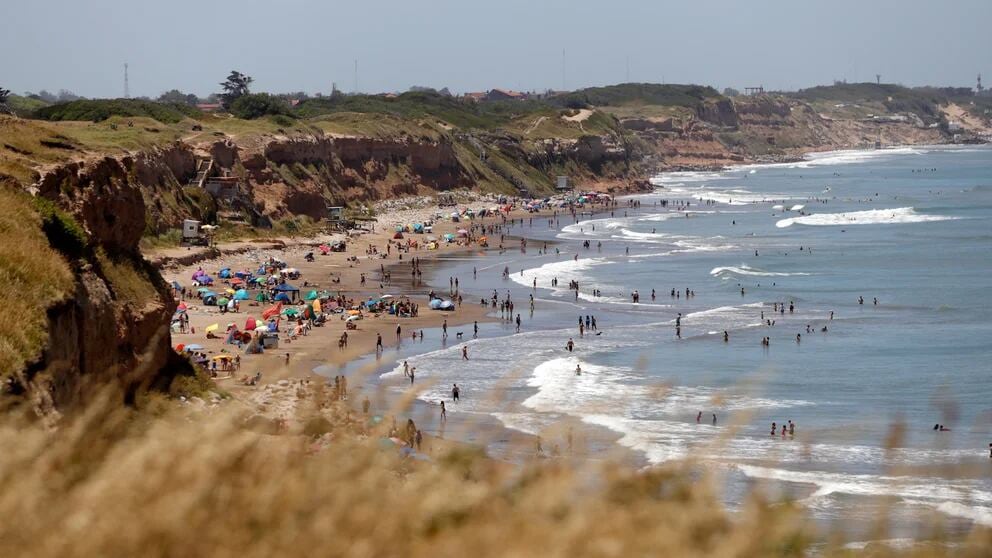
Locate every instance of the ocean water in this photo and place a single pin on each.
(911, 227)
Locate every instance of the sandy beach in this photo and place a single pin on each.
(304, 361)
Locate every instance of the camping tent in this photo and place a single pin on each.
(225, 273)
(281, 297)
(241, 294)
(250, 324)
(312, 295)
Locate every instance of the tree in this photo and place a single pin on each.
(178, 97)
(235, 87)
(731, 92)
(4, 94)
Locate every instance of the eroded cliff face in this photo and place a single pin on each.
(114, 327)
(157, 177)
(766, 128)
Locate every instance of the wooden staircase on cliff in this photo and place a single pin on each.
(204, 165)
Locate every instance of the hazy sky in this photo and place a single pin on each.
(467, 45)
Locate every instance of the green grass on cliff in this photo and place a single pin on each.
(34, 276)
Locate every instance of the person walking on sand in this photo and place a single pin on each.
(455, 392)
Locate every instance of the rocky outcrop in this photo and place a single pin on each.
(720, 112)
(114, 329)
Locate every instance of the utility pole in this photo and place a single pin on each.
(356, 77)
(127, 89)
(563, 87)
(628, 69)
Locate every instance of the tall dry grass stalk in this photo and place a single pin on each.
(125, 482)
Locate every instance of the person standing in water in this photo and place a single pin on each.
(455, 392)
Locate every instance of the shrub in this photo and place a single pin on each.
(97, 110)
(258, 105)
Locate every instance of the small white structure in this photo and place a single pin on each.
(562, 184)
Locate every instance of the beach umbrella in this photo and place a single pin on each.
(449, 237)
(222, 301)
(312, 295)
(386, 296)
(435, 304)
(212, 327)
(462, 232)
(241, 294)
(225, 273)
(202, 290)
(193, 347)
(447, 305)
(229, 291)
(260, 297)
(290, 312)
(236, 281)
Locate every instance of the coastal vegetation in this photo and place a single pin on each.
(35, 274)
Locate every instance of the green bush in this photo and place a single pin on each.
(258, 105)
(63, 232)
(97, 110)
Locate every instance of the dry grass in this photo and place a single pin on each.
(34, 277)
(113, 482)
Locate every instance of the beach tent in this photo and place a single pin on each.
(241, 294)
(281, 297)
(435, 303)
(193, 347)
(250, 324)
(400, 228)
(203, 279)
(202, 290)
(236, 281)
(312, 295)
(446, 305)
(222, 301)
(229, 291)
(261, 297)
(290, 312)
(177, 286)
(271, 311)
(225, 273)
(210, 299)
(243, 274)
(212, 327)
(454, 216)
(449, 237)
(418, 228)
(398, 236)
